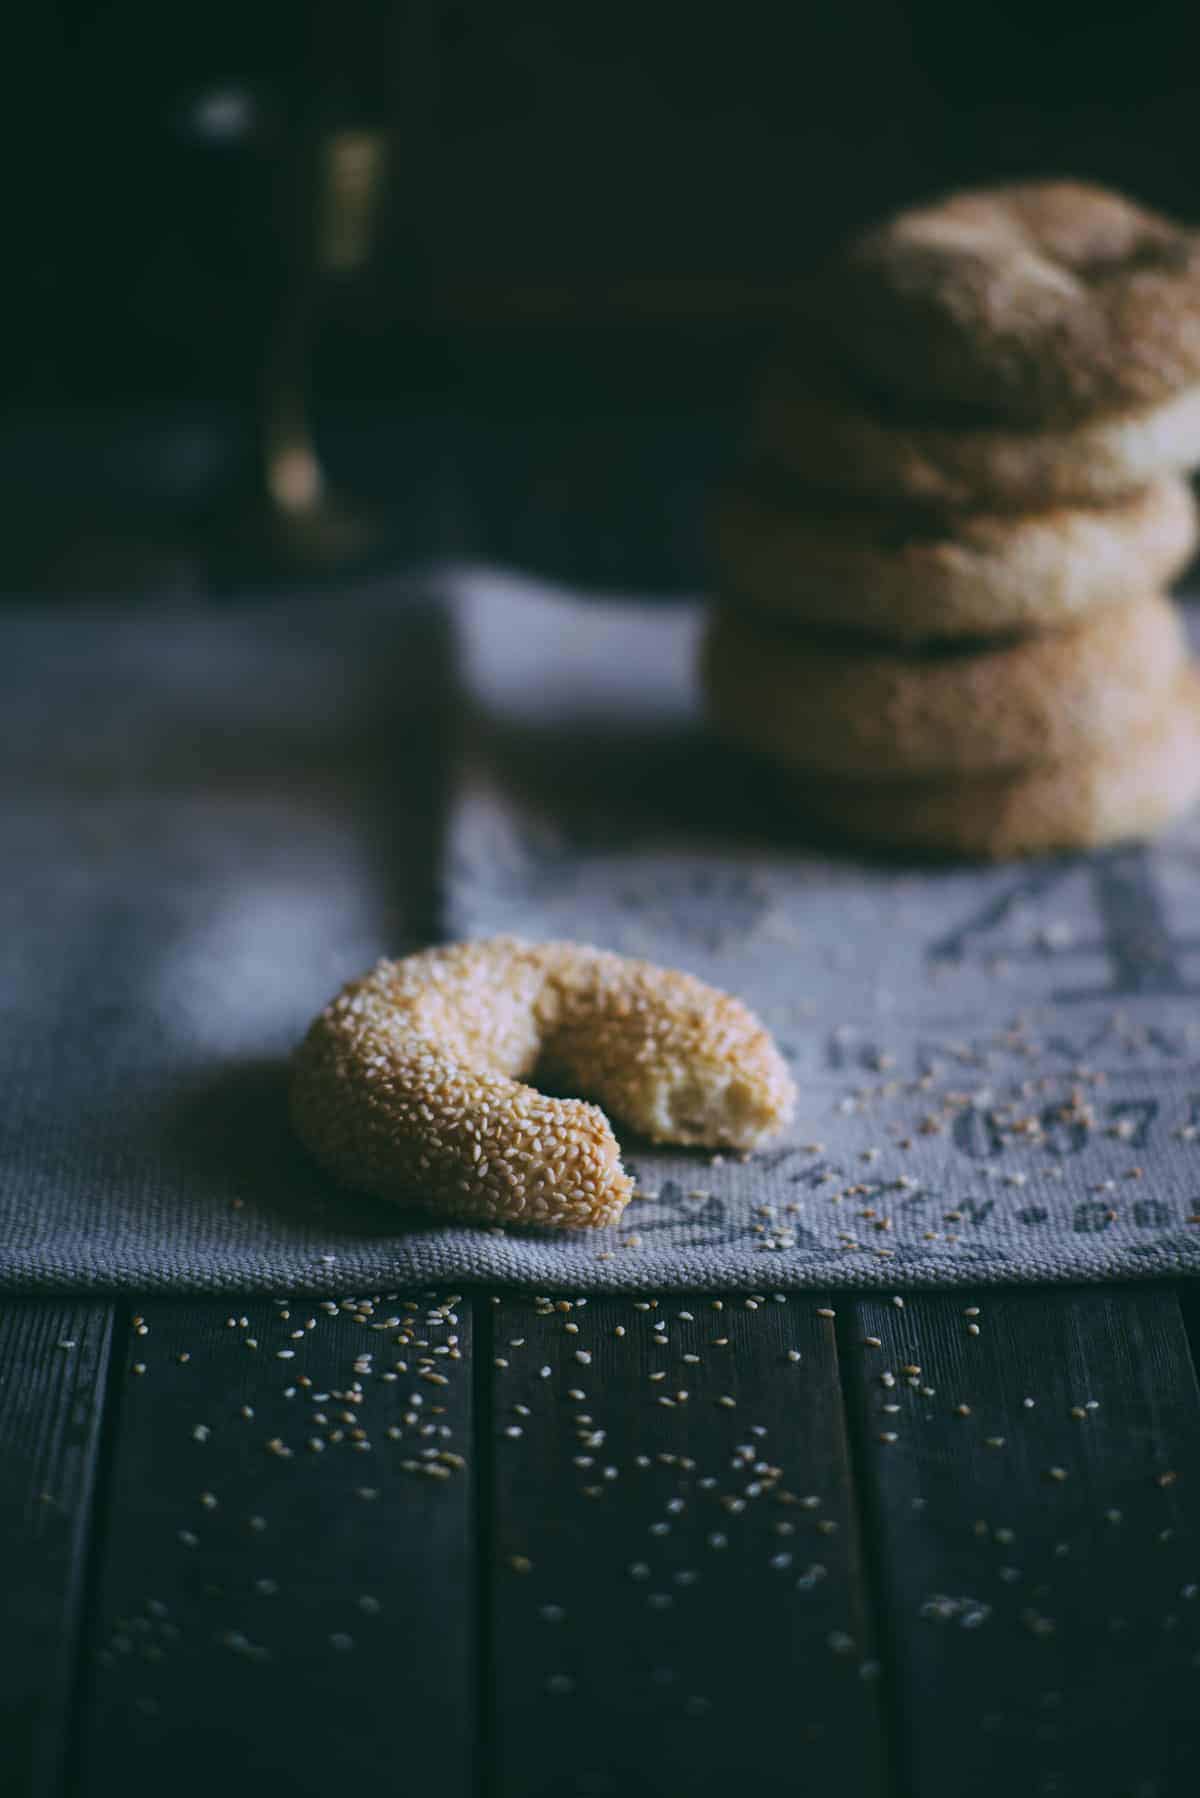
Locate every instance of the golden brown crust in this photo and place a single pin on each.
(829, 706)
(1039, 302)
(410, 1084)
(901, 576)
(812, 423)
(1124, 792)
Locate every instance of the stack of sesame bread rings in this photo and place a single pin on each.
(942, 568)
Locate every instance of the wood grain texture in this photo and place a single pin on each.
(53, 1366)
(271, 1609)
(676, 1601)
(1040, 1563)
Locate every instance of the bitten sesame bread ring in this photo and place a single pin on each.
(1043, 301)
(410, 1083)
(817, 427)
(1126, 791)
(900, 576)
(830, 706)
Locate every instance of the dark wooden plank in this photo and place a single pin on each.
(53, 1367)
(676, 1597)
(267, 1607)
(1039, 1560)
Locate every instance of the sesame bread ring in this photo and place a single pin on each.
(907, 577)
(410, 1084)
(1044, 301)
(830, 706)
(814, 425)
(1116, 794)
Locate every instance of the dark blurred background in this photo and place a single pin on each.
(298, 288)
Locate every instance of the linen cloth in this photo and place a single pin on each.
(214, 816)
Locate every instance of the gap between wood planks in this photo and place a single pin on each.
(107, 1397)
(484, 1634)
(54, 1357)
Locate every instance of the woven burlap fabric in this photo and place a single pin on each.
(215, 816)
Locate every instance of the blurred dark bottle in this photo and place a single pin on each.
(204, 189)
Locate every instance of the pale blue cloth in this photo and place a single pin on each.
(214, 817)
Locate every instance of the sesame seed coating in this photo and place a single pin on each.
(411, 1083)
